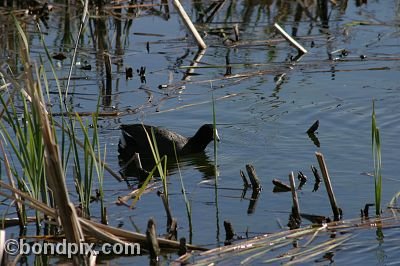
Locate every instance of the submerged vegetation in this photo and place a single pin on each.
(54, 156)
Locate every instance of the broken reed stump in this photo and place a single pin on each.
(253, 201)
(107, 63)
(255, 184)
(167, 209)
(254, 180)
(182, 247)
(172, 233)
(279, 186)
(229, 233)
(335, 209)
(365, 212)
(151, 236)
(296, 208)
(104, 218)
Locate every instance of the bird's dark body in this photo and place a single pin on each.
(134, 139)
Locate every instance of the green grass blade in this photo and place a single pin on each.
(377, 157)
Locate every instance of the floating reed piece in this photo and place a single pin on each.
(296, 208)
(279, 186)
(152, 242)
(335, 209)
(254, 180)
(189, 24)
(292, 41)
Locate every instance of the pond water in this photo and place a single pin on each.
(262, 110)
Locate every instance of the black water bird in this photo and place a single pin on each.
(134, 140)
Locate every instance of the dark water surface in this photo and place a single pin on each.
(261, 119)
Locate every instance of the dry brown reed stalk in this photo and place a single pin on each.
(56, 182)
(181, 11)
(167, 209)
(152, 243)
(11, 222)
(244, 252)
(98, 234)
(328, 185)
(66, 213)
(53, 167)
(26, 199)
(296, 208)
(91, 229)
(140, 238)
(254, 179)
(150, 187)
(2, 243)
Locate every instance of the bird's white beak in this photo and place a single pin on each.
(216, 136)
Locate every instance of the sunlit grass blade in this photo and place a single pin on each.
(215, 139)
(376, 153)
(156, 155)
(183, 189)
(146, 182)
